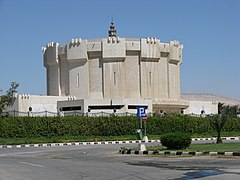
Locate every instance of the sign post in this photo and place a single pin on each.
(141, 114)
(145, 125)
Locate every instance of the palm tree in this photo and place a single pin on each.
(220, 119)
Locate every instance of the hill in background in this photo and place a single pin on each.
(210, 97)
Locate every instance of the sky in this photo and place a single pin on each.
(208, 30)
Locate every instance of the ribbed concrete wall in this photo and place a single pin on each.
(114, 68)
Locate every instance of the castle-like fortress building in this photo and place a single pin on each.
(115, 73)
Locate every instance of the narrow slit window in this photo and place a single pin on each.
(78, 80)
(114, 78)
(150, 78)
(174, 80)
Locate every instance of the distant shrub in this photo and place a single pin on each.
(176, 140)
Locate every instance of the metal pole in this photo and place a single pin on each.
(140, 123)
(145, 128)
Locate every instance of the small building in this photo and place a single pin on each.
(205, 103)
(34, 105)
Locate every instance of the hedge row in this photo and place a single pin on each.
(58, 126)
(106, 126)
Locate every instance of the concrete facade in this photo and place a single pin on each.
(116, 68)
(206, 102)
(109, 106)
(40, 105)
(202, 107)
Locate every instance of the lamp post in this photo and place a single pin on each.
(29, 110)
(89, 110)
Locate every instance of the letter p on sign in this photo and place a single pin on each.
(141, 112)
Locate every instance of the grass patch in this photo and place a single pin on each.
(214, 134)
(203, 135)
(71, 138)
(63, 139)
(225, 147)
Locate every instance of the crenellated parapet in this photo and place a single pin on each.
(113, 48)
(23, 96)
(77, 50)
(50, 54)
(150, 49)
(175, 52)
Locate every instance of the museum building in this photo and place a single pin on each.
(115, 74)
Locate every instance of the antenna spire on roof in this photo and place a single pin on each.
(112, 32)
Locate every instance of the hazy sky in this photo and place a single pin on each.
(208, 29)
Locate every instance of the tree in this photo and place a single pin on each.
(219, 120)
(8, 98)
(233, 111)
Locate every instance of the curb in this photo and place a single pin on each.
(74, 144)
(178, 153)
(102, 143)
(213, 138)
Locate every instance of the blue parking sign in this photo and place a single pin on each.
(141, 112)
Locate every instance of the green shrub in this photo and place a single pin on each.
(176, 140)
(21, 127)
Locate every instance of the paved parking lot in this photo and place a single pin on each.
(103, 162)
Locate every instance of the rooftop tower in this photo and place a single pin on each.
(112, 32)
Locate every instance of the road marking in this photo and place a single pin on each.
(31, 164)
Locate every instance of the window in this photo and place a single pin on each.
(106, 107)
(135, 106)
(114, 78)
(71, 108)
(174, 80)
(78, 80)
(150, 78)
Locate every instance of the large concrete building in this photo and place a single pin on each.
(115, 73)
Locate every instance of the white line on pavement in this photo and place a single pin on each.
(31, 164)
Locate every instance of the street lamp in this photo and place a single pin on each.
(29, 111)
(88, 111)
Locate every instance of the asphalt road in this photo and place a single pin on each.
(103, 162)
